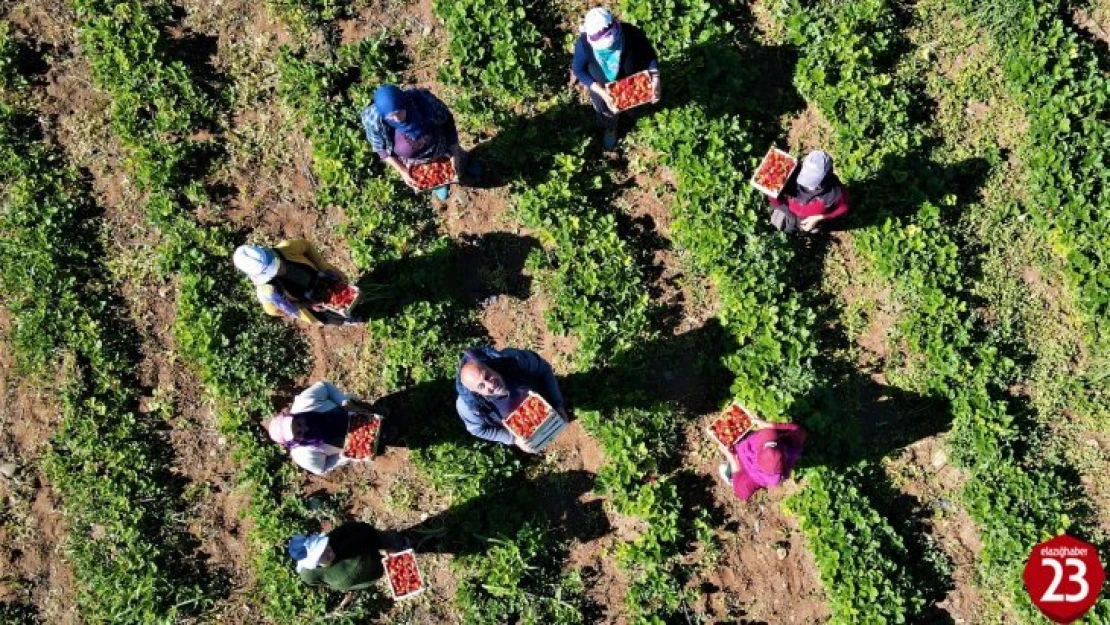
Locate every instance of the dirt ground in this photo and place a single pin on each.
(763, 571)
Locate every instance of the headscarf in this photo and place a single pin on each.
(306, 550)
(322, 427)
(602, 30)
(816, 180)
(259, 263)
(815, 167)
(389, 99)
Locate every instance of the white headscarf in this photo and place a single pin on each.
(259, 263)
(597, 20)
(307, 550)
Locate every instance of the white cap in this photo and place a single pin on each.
(815, 167)
(259, 263)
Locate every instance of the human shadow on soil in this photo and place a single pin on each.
(465, 271)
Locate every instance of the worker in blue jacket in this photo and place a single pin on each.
(607, 50)
(491, 384)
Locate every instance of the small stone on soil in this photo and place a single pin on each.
(9, 469)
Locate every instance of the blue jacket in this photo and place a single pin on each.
(637, 55)
(521, 368)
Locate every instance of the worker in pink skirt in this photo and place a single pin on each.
(763, 458)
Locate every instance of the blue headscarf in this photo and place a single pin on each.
(390, 99)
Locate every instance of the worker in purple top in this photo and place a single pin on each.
(410, 126)
(763, 458)
(607, 50)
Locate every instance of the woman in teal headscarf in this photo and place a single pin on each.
(609, 50)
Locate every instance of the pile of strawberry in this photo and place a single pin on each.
(339, 295)
(730, 426)
(528, 416)
(404, 577)
(632, 91)
(433, 174)
(362, 436)
(774, 170)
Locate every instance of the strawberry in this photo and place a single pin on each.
(729, 427)
(433, 174)
(404, 577)
(528, 417)
(632, 91)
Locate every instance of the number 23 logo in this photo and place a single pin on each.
(1052, 593)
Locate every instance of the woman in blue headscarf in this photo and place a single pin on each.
(609, 50)
(409, 126)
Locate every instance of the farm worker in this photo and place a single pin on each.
(492, 383)
(345, 559)
(314, 427)
(285, 278)
(411, 126)
(607, 50)
(816, 196)
(763, 458)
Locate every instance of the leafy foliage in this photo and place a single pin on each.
(915, 249)
(518, 580)
(104, 459)
(586, 268)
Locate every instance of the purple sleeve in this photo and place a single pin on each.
(384, 154)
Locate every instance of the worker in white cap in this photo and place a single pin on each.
(608, 50)
(289, 280)
(815, 197)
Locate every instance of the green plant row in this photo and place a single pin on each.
(132, 559)
(515, 580)
(157, 107)
(718, 220)
(863, 562)
(1055, 74)
(640, 447)
(498, 57)
(914, 249)
(586, 268)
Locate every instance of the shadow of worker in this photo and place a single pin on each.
(463, 271)
(553, 500)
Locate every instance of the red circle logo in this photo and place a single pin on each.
(1064, 578)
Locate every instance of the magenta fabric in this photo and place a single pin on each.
(750, 477)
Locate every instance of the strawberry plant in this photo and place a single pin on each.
(498, 56)
(104, 460)
(923, 260)
(587, 269)
(518, 579)
(1059, 79)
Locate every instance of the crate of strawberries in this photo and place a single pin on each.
(403, 575)
(774, 172)
(363, 435)
(434, 174)
(731, 425)
(536, 422)
(337, 296)
(631, 91)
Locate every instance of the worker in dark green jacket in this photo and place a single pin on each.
(345, 559)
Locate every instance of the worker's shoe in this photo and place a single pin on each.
(442, 193)
(609, 139)
(725, 474)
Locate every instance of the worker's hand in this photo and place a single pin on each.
(523, 445)
(605, 96)
(347, 598)
(409, 180)
(809, 223)
(656, 89)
